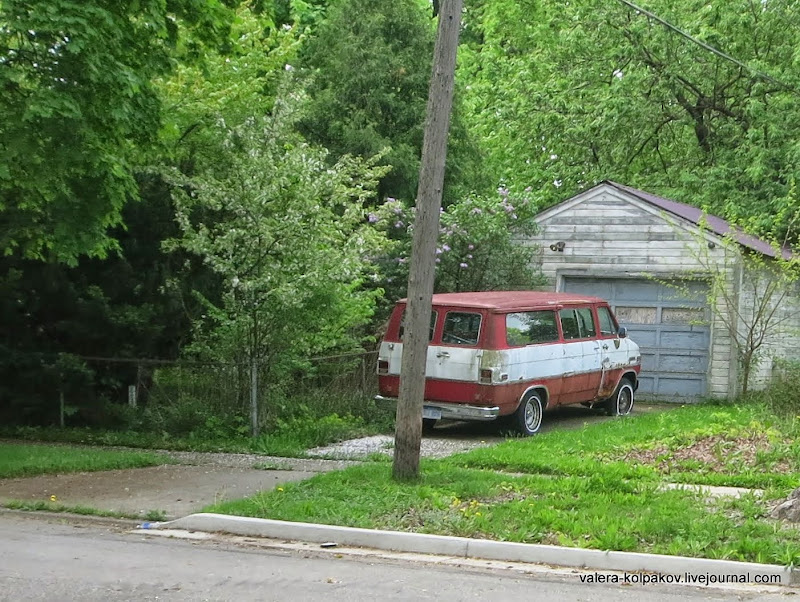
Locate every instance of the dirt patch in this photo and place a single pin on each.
(716, 453)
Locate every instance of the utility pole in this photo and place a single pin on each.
(408, 433)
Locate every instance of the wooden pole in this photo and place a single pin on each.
(408, 433)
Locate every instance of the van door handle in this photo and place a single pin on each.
(443, 354)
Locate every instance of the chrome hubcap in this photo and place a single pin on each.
(624, 400)
(532, 415)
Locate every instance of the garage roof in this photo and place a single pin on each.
(716, 224)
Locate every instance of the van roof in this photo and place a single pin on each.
(509, 299)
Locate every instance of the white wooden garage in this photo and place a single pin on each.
(640, 252)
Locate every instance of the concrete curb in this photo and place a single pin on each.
(703, 570)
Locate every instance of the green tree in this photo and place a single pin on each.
(478, 247)
(565, 95)
(77, 107)
(286, 234)
(371, 63)
(227, 87)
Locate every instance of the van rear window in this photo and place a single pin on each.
(461, 328)
(530, 328)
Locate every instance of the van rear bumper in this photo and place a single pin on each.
(451, 411)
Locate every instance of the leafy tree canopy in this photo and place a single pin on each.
(565, 95)
(77, 106)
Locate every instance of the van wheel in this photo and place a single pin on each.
(621, 402)
(528, 417)
(428, 424)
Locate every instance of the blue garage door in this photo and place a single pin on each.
(670, 324)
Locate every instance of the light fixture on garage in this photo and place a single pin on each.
(711, 244)
(558, 246)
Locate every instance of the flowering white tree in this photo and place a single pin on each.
(287, 235)
(478, 247)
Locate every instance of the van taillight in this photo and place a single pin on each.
(486, 376)
(383, 366)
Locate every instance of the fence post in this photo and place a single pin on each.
(363, 372)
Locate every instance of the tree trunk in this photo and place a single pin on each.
(254, 397)
(408, 432)
(747, 365)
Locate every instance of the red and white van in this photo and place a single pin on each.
(516, 354)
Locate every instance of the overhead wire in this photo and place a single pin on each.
(706, 46)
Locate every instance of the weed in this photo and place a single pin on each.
(271, 466)
(155, 515)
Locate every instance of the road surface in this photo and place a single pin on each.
(51, 558)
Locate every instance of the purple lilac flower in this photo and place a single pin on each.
(445, 247)
(471, 246)
(463, 265)
(372, 218)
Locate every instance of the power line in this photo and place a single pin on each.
(706, 46)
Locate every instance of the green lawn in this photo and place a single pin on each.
(25, 460)
(597, 487)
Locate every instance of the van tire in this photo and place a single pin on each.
(528, 417)
(621, 402)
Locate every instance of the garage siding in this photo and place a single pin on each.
(610, 237)
(670, 325)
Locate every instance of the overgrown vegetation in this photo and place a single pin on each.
(293, 425)
(599, 487)
(782, 395)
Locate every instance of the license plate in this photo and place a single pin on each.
(431, 413)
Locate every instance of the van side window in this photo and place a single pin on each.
(607, 326)
(569, 324)
(461, 328)
(531, 327)
(585, 322)
(430, 330)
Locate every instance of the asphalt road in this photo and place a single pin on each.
(51, 559)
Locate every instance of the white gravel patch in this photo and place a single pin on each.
(431, 447)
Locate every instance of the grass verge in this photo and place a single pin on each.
(26, 460)
(595, 488)
(40, 506)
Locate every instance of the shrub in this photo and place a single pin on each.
(782, 395)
